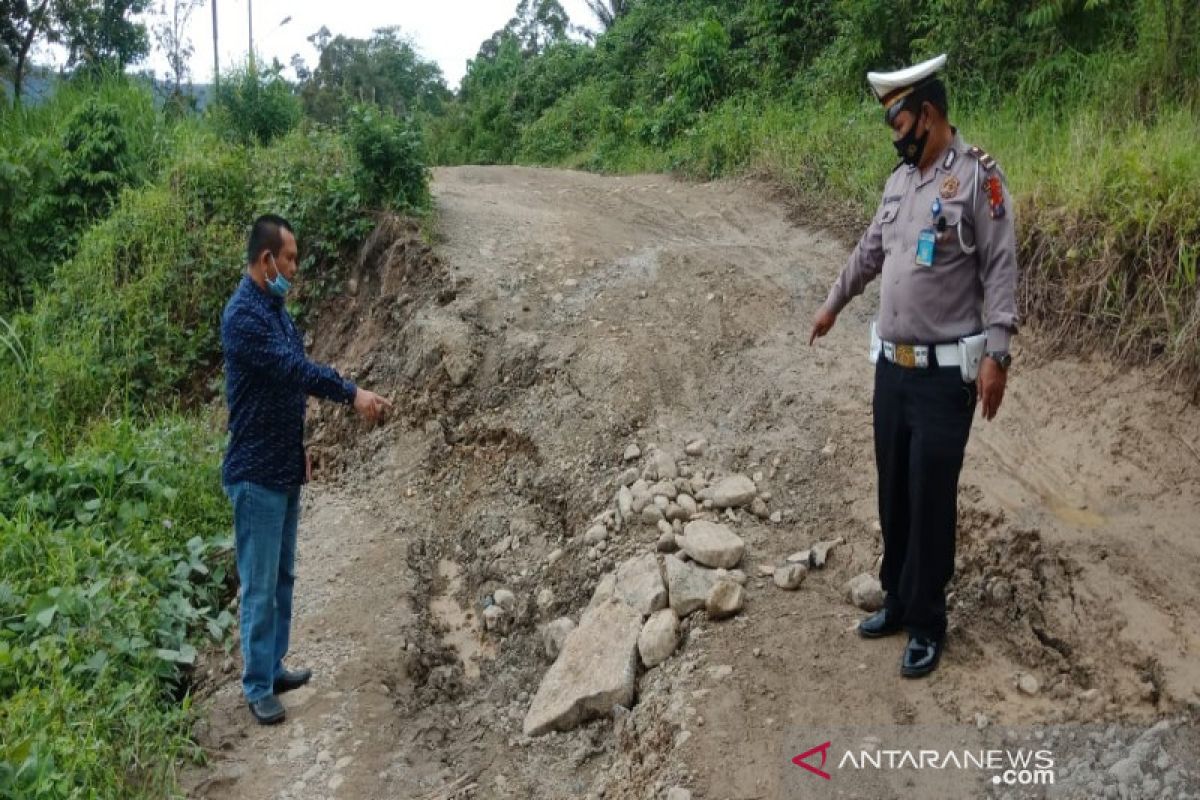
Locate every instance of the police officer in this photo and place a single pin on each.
(943, 244)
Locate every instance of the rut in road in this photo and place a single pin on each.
(559, 317)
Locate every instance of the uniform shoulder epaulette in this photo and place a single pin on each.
(981, 155)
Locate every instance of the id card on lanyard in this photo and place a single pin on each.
(927, 238)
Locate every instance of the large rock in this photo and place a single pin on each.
(865, 592)
(687, 586)
(640, 585)
(596, 670)
(733, 492)
(725, 599)
(712, 544)
(604, 589)
(659, 637)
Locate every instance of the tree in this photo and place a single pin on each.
(609, 11)
(97, 32)
(171, 33)
(385, 70)
(21, 24)
(539, 24)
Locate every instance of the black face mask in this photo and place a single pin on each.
(910, 147)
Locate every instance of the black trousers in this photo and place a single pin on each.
(922, 421)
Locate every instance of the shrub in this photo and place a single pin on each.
(256, 107)
(391, 170)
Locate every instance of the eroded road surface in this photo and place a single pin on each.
(557, 318)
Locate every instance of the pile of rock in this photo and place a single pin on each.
(666, 494)
(632, 621)
(634, 618)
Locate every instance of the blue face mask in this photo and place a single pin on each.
(280, 285)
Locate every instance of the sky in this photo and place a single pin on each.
(445, 31)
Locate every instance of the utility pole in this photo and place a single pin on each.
(216, 56)
(250, 15)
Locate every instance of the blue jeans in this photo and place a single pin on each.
(264, 521)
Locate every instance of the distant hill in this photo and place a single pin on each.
(39, 87)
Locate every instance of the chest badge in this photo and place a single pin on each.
(950, 187)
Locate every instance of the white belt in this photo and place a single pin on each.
(965, 354)
(917, 355)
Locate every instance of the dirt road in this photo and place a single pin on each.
(558, 318)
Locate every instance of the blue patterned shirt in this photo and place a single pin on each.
(268, 378)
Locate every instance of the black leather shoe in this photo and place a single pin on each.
(291, 679)
(268, 710)
(920, 657)
(882, 623)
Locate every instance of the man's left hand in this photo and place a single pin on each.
(991, 383)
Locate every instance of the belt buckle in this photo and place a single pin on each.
(906, 355)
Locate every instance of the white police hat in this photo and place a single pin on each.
(892, 87)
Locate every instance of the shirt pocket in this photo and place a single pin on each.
(950, 239)
(890, 230)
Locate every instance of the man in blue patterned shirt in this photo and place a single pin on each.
(268, 379)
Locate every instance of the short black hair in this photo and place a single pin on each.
(265, 235)
(932, 92)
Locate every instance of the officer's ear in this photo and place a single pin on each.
(926, 113)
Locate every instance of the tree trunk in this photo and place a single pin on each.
(35, 23)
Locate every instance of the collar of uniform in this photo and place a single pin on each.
(940, 166)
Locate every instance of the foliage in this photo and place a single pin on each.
(96, 165)
(391, 167)
(256, 107)
(114, 559)
(607, 12)
(385, 70)
(22, 23)
(94, 136)
(697, 72)
(102, 33)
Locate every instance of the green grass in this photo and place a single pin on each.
(114, 559)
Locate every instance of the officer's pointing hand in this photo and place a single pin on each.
(822, 324)
(991, 384)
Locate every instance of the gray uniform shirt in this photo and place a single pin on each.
(963, 292)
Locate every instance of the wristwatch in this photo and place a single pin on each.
(1002, 359)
